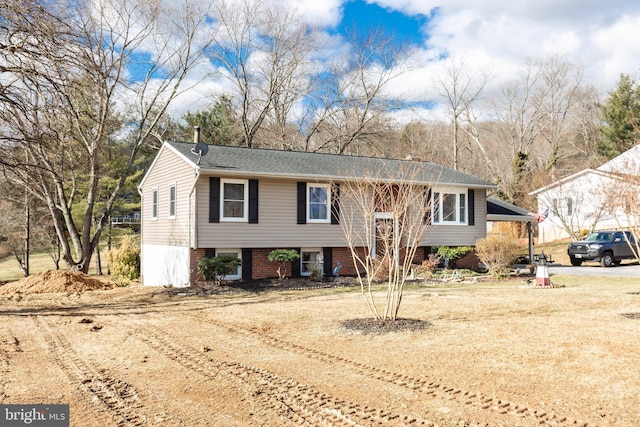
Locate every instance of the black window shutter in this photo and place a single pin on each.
(214, 199)
(295, 265)
(209, 253)
(335, 204)
(247, 263)
(253, 201)
(428, 206)
(302, 202)
(327, 254)
(472, 207)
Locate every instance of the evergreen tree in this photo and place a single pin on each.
(621, 113)
(218, 124)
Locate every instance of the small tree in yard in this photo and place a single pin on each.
(384, 216)
(283, 257)
(497, 253)
(216, 268)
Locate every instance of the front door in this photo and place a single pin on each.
(385, 232)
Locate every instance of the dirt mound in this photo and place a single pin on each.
(55, 281)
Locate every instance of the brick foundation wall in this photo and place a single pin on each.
(196, 254)
(469, 261)
(261, 268)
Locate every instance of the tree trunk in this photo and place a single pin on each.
(27, 236)
(98, 261)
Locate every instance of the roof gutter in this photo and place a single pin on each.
(193, 215)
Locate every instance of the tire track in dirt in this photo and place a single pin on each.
(9, 344)
(419, 384)
(116, 398)
(297, 403)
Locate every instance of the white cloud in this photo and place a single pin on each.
(499, 37)
(601, 36)
(322, 13)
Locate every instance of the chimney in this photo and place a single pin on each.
(196, 134)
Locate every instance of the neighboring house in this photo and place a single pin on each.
(247, 202)
(580, 202)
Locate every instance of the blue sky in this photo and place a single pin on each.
(362, 15)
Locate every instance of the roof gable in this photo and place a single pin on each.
(627, 162)
(570, 178)
(163, 149)
(295, 164)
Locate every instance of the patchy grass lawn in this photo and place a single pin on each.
(486, 354)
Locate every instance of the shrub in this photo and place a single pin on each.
(216, 268)
(497, 253)
(452, 253)
(283, 257)
(124, 262)
(428, 266)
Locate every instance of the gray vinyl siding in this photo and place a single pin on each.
(168, 169)
(460, 235)
(277, 226)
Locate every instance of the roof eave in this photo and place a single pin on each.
(276, 175)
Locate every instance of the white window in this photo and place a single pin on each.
(311, 263)
(318, 203)
(450, 207)
(235, 196)
(235, 253)
(154, 203)
(172, 200)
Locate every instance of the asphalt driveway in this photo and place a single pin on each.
(626, 269)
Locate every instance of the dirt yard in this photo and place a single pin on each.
(486, 355)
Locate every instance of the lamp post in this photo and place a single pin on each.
(542, 273)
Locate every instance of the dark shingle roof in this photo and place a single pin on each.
(500, 207)
(296, 164)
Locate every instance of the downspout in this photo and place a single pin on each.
(193, 204)
(193, 214)
(141, 234)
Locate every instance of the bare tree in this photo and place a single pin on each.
(535, 118)
(460, 91)
(349, 103)
(384, 216)
(15, 230)
(264, 50)
(78, 74)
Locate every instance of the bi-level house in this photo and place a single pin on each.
(247, 202)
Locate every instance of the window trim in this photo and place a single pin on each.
(154, 203)
(327, 188)
(245, 201)
(173, 204)
(438, 198)
(238, 253)
(320, 263)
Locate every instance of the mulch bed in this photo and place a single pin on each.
(264, 285)
(371, 326)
